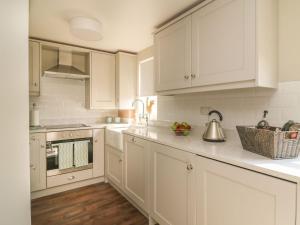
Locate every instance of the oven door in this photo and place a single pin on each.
(69, 155)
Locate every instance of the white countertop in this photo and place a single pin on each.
(89, 126)
(229, 152)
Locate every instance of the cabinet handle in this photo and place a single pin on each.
(186, 77)
(133, 139)
(193, 76)
(32, 166)
(189, 167)
(96, 141)
(120, 160)
(42, 146)
(71, 177)
(35, 84)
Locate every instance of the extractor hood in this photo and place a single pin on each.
(65, 69)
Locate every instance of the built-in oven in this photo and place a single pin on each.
(69, 151)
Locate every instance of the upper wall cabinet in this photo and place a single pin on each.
(34, 68)
(126, 75)
(233, 42)
(173, 56)
(100, 87)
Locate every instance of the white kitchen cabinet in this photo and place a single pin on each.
(173, 56)
(98, 152)
(37, 161)
(136, 170)
(34, 68)
(114, 166)
(172, 181)
(223, 37)
(229, 195)
(100, 87)
(126, 77)
(234, 45)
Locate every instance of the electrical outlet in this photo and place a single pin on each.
(204, 110)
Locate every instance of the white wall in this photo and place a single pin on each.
(239, 107)
(63, 101)
(289, 40)
(14, 157)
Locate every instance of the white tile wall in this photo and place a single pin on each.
(239, 107)
(63, 101)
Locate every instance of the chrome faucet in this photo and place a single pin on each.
(144, 116)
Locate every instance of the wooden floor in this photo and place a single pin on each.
(98, 204)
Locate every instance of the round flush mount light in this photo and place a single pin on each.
(86, 29)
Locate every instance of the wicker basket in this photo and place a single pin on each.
(270, 143)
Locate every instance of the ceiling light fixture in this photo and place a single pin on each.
(86, 29)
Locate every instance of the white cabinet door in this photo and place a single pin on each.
(34, 68)
(37, 161)
(102, 81)
(228, 195)
(126, 65)
(114, 165)
(136, 164)
(98, 152)
(172, 180)
(223, 40)
(173, 56)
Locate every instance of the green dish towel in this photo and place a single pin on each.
(65, 159)
(81, 153)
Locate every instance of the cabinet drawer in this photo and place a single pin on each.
(69, 178)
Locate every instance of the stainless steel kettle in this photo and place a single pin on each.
(214, 131)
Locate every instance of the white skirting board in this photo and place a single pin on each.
(67, 187)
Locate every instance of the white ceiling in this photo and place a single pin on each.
(127, 24)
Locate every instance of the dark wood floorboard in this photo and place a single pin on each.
(98, 204)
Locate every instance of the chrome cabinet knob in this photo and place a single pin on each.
(189, 167)
(186, 77)
(32, 166)
(193, 76)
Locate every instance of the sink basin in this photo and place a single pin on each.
(114, 137)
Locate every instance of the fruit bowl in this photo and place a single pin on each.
(181, 129)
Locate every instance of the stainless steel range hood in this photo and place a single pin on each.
(65, 69)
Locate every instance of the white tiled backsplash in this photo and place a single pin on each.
(62, 101)
(239, 107)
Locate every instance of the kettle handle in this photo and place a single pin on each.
(216, 112)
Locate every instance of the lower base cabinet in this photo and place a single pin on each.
(228, 195)
(172, 181)
(136, 170)
(37, 144)
(114, 166)
(98, 152)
